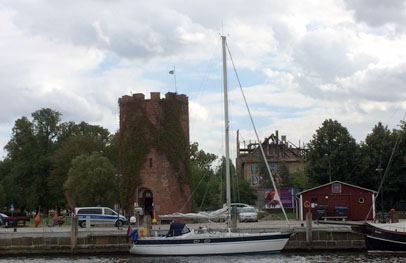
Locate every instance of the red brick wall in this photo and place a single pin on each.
(161, 178)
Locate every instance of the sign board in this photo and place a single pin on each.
(285, 194)
(12, 207)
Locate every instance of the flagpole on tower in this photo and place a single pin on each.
(173, 72)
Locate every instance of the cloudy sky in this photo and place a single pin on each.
(300, 62)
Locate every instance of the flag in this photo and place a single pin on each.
(129, 230)
(37, 219)
(172, 72)
(56, 216)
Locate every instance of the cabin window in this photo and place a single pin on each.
(361, 200)
(314, 199)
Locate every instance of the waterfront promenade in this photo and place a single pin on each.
(42, 240)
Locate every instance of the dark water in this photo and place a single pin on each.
(330, 257)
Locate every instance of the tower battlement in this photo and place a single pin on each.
(154, 96)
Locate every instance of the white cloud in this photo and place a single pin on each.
(304, 62)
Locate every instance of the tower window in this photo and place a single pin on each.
(150, 162)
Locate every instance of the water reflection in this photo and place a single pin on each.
(331, 257)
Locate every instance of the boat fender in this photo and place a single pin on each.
(142, 232)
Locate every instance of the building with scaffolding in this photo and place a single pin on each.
(277, 151)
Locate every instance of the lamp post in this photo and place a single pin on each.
(379, 169)
(329, 165)
(329, 168)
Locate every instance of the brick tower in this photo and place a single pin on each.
(154, 152)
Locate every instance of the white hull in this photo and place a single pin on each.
(211, 244)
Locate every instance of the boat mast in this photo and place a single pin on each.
(227, 127)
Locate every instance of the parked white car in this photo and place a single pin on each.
(1, 218)
(248, 214)
(239, 206)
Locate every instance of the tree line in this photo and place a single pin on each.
(333, 154)
(46, 161)
(51, 164)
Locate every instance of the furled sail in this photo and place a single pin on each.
(218, 214)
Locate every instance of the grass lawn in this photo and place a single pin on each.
(276, 215)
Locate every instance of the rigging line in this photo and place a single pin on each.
(256, 134)
(190, 196)
(387, 168)
(205, 194)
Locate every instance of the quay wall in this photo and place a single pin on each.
(326, 240)
(61, 243)
(114, 241)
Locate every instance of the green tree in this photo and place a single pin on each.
(92, 181)
(240, 189)
(204, 183)
(4, 173)
(39, 156)
(299, 179)
(284, 173)
(21, 183)
(377, 148)
(2, 196)
(395, 181)
(46, 129)
(333, 153)
(62, 162)
(76, 139)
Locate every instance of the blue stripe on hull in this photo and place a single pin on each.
(209, 240)
(273, 252)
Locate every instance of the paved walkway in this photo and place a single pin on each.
(254, 226)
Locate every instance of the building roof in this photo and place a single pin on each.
(320, 186)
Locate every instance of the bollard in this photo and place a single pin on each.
(309, 228)
(392, 215)
(88, 223)
(74, 233)
(234, 218)
(147, 222)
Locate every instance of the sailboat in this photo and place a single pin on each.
(182, 241)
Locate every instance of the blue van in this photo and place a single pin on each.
(98, 215)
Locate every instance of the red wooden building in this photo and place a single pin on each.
(336, 200)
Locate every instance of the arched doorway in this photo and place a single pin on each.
(146, 200)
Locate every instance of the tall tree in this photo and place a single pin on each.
(240, 189)
(46, 130)
(376, 148)
(395, 182)
(76, 139)
(204, 183)
(333, 154)
(21, 184)
(92, 181)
